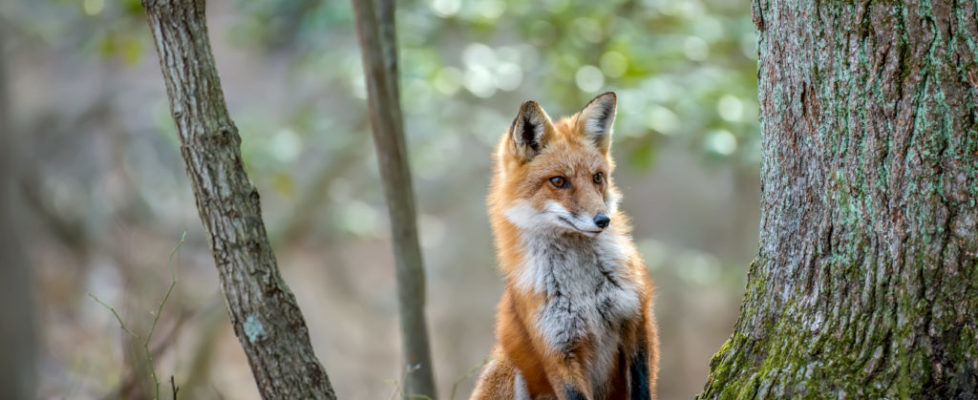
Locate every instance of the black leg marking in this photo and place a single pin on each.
(574, 394)
(639, 374)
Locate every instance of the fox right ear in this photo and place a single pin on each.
(530, 131)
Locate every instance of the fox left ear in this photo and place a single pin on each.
(595, 120)
(530, 131)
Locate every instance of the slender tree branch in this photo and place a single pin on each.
(375, 29)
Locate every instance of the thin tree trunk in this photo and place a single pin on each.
(375, 28)
(17, 331)
(866, 283)
(264, 313)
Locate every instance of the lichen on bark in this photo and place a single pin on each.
(866, 281)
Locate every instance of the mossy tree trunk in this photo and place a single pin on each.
(866, 281)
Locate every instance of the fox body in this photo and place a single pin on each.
(575, 320)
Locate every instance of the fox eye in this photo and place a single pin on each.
(559, 182)
(598, 178)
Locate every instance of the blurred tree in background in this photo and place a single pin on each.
(108, 196)
(17, 330)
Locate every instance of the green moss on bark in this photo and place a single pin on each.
(866, 283)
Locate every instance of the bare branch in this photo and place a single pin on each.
(378, 48)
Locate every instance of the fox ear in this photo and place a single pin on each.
(530, 131)
(595, 120)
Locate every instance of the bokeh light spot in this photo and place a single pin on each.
(359, 219)
(730, 108)
(589, 78)
(614, 64)
(479, 81)
(478, 54)
(93, 7)
(721, 142)
(490, 9)
(663, 120)
(285, 145)
(508, 76)
(445, 8)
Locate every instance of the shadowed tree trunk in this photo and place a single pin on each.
(263, 310)
(17, 333)
(866, 282)
(375, 29)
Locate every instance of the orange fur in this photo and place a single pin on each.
(525, 362)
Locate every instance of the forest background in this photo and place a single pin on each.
(106, 198)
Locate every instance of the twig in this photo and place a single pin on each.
(173, 282)
(468, 374)
(117, 317)
(173, 386)
(156, 318)
(399, 390)
(156, 350)
(159, 310)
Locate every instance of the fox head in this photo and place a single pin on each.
(556, 177)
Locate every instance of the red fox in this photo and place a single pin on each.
(575, 320)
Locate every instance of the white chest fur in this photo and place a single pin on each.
(587, 295)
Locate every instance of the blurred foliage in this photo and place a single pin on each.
(684, 72)
(108, 167)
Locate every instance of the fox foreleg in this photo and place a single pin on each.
(638, 376)
(567, 376)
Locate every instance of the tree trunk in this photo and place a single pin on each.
(17, 332)
(263, 310)
(866, 281)
(375, 28)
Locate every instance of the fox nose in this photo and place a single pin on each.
(602, 221)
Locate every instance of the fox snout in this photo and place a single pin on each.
(587, 223)
(595, 224)
(591, 214)
(602, 220)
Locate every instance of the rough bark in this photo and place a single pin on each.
(17, 331)
(866, 281)
(264, 313)
(375, 29)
